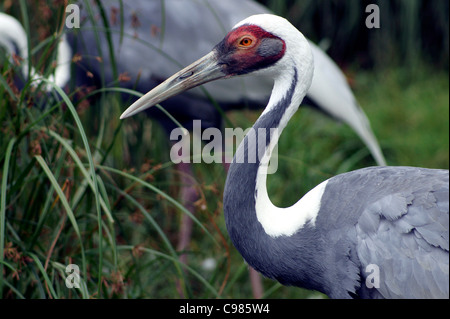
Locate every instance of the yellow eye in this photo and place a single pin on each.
(245, 42)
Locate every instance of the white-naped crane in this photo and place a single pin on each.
(149, 41)
(394, 220)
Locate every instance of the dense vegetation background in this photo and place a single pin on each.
(79, 186)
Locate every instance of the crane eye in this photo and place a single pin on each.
(246, 42)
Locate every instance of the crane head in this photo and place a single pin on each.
(254, 46)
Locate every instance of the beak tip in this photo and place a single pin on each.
(124, 115)
(129, 112)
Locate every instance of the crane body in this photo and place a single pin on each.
(396, 218)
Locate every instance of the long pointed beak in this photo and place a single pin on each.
(203, 70)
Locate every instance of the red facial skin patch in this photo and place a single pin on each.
(247, 49)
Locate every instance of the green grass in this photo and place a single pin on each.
(411, 106)
(79, 186)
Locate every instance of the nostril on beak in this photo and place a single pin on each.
(186, 75)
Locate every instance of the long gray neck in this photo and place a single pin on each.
(239, 195)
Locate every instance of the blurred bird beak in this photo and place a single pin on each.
(203, 70)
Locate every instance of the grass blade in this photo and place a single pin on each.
(65, 204)
(3, 208)
(174, 260)
(163, 194)
(104, 204)
(90, 159)
(44, 274)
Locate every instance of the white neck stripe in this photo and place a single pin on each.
(278, 221)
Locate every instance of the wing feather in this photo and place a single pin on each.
(406, 232)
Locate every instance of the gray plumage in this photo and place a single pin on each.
(405, 233)
(396, 218)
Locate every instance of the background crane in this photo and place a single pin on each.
(150, 43)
